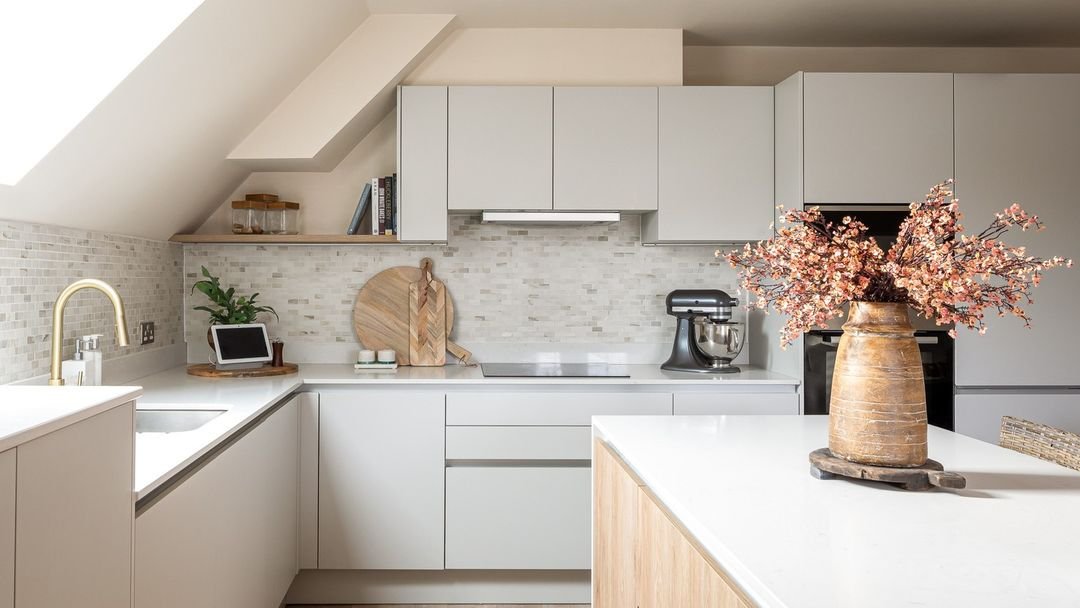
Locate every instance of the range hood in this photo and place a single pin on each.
(550, 218)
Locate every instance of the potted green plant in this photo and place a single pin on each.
(228, 308)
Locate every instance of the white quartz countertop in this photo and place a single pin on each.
(160, 456)
(28, 412)
(460, 374)
(741, 486)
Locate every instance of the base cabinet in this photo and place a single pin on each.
(226, 535)
(979, 414)
(381, 459)
(74, 508)
(642, 558)
(517, 518)
(7, 529)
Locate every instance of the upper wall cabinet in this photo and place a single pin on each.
(875, 138)
(715, 165)
(499, 148)
(605, 148)
(1018, 140)
(422, 162)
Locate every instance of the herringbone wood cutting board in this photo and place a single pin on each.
(427, 322)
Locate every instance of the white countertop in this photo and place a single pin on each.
(28, 412)
(741, 486)
(159, 456)
(460, 374)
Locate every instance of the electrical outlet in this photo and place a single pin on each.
(147, 328)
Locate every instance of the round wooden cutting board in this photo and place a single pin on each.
(381, 312)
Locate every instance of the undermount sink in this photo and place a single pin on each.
(172, 421)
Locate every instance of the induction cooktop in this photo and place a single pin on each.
(553, 370)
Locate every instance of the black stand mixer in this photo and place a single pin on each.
(706, 341)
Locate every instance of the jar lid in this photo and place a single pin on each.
(248, 205)
(282, 205)
(266, 198)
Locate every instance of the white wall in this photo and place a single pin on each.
(150, 159)
(566, 56)
(328, 199)
(768, 65)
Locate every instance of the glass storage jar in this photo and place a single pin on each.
(283, 217)
(248, 217)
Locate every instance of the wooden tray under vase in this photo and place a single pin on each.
(823, 465)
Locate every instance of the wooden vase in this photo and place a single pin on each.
(877, 412)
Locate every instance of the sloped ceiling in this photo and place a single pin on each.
(344, 98)
(785, 22)
(151, 159)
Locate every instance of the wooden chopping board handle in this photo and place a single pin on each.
(422, 298)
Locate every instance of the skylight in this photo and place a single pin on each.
(60, 58)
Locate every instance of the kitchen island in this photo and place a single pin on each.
(730, 502)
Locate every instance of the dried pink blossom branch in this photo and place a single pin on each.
(811, 268)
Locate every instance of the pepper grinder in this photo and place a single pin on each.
(279, 353)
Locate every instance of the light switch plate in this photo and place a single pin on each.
(147, 329)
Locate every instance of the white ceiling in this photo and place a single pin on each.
(786, 22)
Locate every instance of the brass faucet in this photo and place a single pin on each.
(55, 379)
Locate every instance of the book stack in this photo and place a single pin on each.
(379, 205)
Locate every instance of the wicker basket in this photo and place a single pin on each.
(1041, 441)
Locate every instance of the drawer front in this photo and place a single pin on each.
(736, 403)
(549, 408)
(518, 518)
(518, 443)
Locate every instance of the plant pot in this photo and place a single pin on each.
(210, 338)
(877, 412)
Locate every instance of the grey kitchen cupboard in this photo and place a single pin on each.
(518, 476)
(499, 142)
(519, 517)
(1018, 140)
(381, 466)
(605, 147)
(74, 510)
(422, 163)
(226, 533)
(7, 529)
(978, 413)
(875, 138)
(715, 165)
(786, 403)
(540, 408)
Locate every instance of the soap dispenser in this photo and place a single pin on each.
(91, 350)
(73, 370)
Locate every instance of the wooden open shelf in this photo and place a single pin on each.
(285, 239)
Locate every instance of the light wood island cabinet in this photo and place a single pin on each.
(641, 557)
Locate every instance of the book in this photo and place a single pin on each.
(374, 205)
(381, 224)
(390, 192)
(361, 209)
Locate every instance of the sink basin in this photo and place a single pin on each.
(173, 421)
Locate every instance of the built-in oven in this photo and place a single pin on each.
(935, 347)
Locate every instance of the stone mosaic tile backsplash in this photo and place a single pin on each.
(555, 284)
(38, 261)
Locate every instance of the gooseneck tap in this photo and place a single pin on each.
(55, 379)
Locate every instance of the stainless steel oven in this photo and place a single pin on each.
(882, 221)
(935, 347)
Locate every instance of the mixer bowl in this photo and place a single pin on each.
(721, 342)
